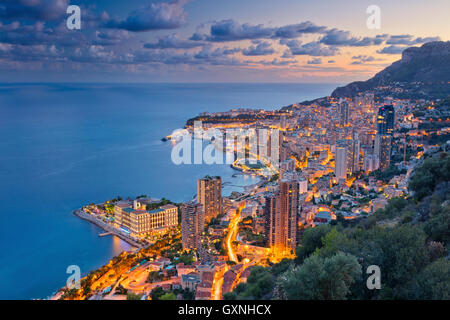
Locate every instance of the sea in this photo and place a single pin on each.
(65, 145)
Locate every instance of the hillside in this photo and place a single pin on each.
(423, 72)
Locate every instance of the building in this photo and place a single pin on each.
(352, 149)
(281, 217)
(209, 194)
(386, 120)
(343, 113)
(286, 224)
(138, 222)
(378, 203)
(323, 217)
(371, 162)
(270, 211)
(283, 124)
(286, 166)
(190, 281)
(383, 146)
(192, 225)
(340, 163)
(303, 185)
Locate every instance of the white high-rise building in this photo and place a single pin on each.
(340, 163)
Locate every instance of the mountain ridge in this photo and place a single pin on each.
(428, 64)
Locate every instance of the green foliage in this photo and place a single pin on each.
(392, 209)
(433, 282)
(157, 293)
(187, 258)
(311, 240)
(168, 296)
(133, 296)
(388, 174)
(322, 278)
(260, 283)
(155, 276)
(432, 172)
(438, 226)
(404, 254)
(230, 296)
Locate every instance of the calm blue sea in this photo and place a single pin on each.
(66, 145)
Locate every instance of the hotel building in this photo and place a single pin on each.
(138, 222)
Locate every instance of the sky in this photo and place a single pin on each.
(307, 41)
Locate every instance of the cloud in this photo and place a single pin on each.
(335, 37)
(231, 30)
(40, 10)
(110, 37)
(156, 16)
(315, 61)
(37, 33)
(262, 48)
(207, 52)
(274, 62)
(362, 58)
(407, 39)
(392, 49)
(172, 41)
(296, 30)
(311, 48)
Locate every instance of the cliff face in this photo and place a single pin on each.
(428, 63)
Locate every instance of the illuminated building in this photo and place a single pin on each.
(209, 194)
(303, 185)
(386, 120)
(343, 113)
(352, 148)
(192, 224)
(138, 222)
(340, 163)
(270, 210)
(286, 224)
(383, 150)
(281, 217)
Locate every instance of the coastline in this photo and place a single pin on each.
(82, 215)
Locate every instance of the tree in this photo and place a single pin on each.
(432, 172)
(168, 296)
(155, 276)
(322, 278)
(434, 281)
(311, 240)
(133, 296)
(157, 293)
(404, 255)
